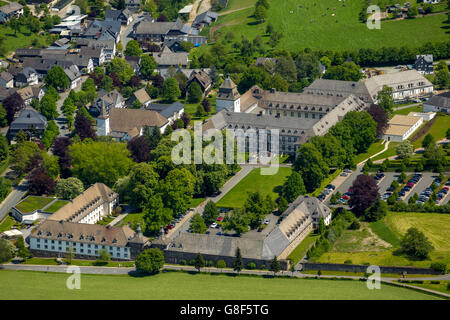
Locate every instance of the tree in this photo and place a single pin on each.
(41, 183)
(48, 107)
(199, 262)
(4, 148)
(90, 168)
(310, 164)
(195, 93)
(139, 148)
(171, 91)
(405, 149)
(442, 77)
(381, 118)
(57, 78)
(133, 49)
(7, 251)
(197, 224)
(150, 261)
(13, 104)
(428, 141)
(155, 215)
(210, 213)
(413, 12)
(347, 71)
(121, 69)
(221, 264)
(275, 265)
(21, 156)
(103, 257)
(365, 193)
(238, 265)
(260, 13)
(69, 188)
(3, 120)
(23, 251)
(376, 211)
(282, 204)
(415, 244)
(148, 65)
(83, 127)
(321, 228)
(60, 149)
(386, 99)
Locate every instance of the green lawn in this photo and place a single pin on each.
(180, 285)
(373, 149)
(106, 220)
(442, 286)
(7, 223)
(76, 262)
(20, 40)
(254, 181)
(134, 219)
(382, 230)
(406, 111)
(300, 251)
(389, 152)
(307, 27)
(437, 130)
(195, 202)
(191, 108)
(435, 226)
(55, 206)
(32, 203)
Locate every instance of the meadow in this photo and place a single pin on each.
(181, 285)
(331, 25)
(352, 246)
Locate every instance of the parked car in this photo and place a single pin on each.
(331, 187)
(220, 218)
(267, 221)
(214, 225)
(344, 174)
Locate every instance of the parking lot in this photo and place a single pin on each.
(385, 182)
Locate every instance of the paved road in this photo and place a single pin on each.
(16, 194)
(124, 34)
(118, 219)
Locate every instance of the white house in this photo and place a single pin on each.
(401, 127)
(228, 97)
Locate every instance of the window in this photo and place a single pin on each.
(292, 113)
(299, 115)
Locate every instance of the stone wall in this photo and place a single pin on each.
(363, 268)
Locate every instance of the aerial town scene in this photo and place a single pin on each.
(224, 150)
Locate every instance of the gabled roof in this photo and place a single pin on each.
(173, 58)
(83, 232)
(75, 210)
(127, 120)
(72, 72)
(142, 95)
(6, 76)
(28, 116)
(441, 100)
(11, 7)
(166, 110)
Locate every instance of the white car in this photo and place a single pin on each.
(214, 225)
(267, 221)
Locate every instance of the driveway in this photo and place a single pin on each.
(11, 200)
(125, 32)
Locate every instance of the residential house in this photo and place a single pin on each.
(147, 31)
(124, 124)
(102, 30)
(60, 44)
(438, 103)
(171, 112)
(133, 5)
(74, 75)
(30, 121)
(112, 99)
(30, 93)
(123, 16)
(42, 66)
(6, 79)
(108, 46)
(6, 92)
(24, 76)
(205, 19)
(10, 10)
(96, 54)
(167, 58)
(140, 95)
(203, 79)
(424, 63)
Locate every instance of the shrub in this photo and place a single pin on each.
(192, 262)
(435, 282)
(448, 286)
(355, 225)
(263, 266)
(183, 262)
(251, 266)
(348, 262)
(221, 264)
(439, 266)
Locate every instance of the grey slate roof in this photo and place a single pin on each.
(441, 100)
(206, 17)
(166, 110)
(29, 117)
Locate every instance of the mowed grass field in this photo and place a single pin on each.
(310, 24)
(253, 182)
(178, 285)
(435, 226)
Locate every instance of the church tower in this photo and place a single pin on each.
(228, 97)
(103, 122)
